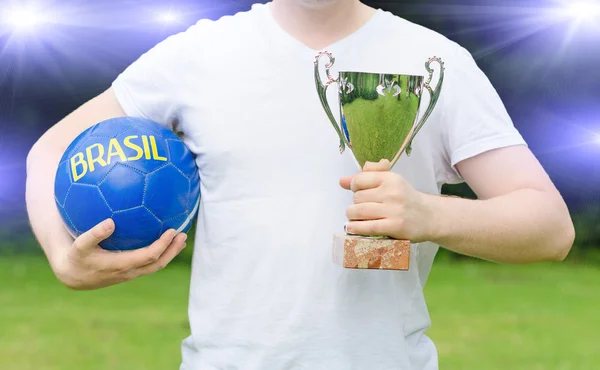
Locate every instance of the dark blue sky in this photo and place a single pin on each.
(546, 70)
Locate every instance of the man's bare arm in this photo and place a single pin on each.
(42, 163)
(81, 264)
(519, 217)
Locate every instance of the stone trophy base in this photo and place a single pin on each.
(359, 252)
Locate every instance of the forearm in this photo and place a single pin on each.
(43, 214)
(42, 163)
(520, 227)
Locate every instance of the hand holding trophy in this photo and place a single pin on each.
(379, 118)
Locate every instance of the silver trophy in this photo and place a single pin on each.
(379, 118)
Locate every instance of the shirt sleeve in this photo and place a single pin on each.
(150, 86)
(474, 119)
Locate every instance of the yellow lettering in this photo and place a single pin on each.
(91, 160)
(129, 144)
(114, 149)
(146, 147)
(155, 150)
(76, 160)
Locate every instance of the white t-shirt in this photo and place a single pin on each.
(265, 294)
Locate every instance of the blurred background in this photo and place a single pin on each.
(543, 57)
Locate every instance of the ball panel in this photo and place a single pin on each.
(194, 191)
(62, 183)
(136, 228)
(111, 128)
(171, 182)
(181, 157)
(109, 244)
(175, 223)
(183, 222)
(67, 222)
(123, 187)
(193, 213)
(86, 207)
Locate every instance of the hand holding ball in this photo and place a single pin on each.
(134, 171)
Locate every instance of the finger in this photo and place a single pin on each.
(346, 181)
(370, 227)
(89, 240)
(367, 180)
(176, 246)
(366, 211)
(369, 196)
(145, 256)
(382, 165)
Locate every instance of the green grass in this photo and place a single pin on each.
(484, 317)
(378, 128)
(43, 326)
(533, 317)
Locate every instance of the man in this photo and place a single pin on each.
(264, 292)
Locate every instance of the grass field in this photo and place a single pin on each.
(484, 317)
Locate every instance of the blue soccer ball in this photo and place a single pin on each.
(134, 171)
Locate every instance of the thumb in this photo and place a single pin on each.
(346, 181)
(91, 238)
(382, 165)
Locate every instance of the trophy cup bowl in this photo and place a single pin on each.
(379, 118)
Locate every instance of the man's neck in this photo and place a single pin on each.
(319, 23)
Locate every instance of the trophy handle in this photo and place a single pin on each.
(322, 91)
(434, 94)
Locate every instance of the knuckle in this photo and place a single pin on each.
(128, 274)
(361, 211)
(359, 197)
(377, 228)
(169, 235)
(357, 182)
(153, 257)
(123, 270)
(349, 212)
(355, 212)
(78, 244)
(96, 233)
(399, 223)
(395, 195)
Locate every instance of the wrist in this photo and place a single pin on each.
(433, 221)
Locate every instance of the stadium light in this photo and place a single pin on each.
(24, 18)
(168, 17)
(583, 10)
